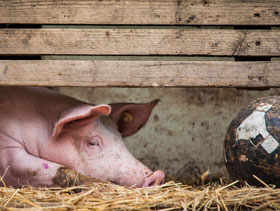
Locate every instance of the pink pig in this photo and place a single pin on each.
(47, 138)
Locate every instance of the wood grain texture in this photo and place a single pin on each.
(139, 73)
(140, 42)
(148, 12)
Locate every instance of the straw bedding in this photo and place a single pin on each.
(169, 196)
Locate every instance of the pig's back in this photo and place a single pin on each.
(27, 114)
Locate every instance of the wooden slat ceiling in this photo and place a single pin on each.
(135, 12)
(139, 42)
(139, 73)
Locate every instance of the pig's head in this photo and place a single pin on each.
(93, 138)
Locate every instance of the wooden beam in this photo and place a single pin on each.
(139, 73)
(148, 12)
(140, 42)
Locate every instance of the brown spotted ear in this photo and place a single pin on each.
(78, 116)
(130, 117)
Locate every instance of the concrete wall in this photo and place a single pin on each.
(184, 135)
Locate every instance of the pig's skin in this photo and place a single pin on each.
(46, 138)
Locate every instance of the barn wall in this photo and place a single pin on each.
(184, 136)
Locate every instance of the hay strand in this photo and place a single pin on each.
(261, 181)
(169, 196)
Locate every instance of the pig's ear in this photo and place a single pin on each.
(130, 117)
(79, 115)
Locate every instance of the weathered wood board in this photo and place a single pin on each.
(139, 73)
(140, 42)
(148, 12)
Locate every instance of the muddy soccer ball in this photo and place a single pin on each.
(251, 145)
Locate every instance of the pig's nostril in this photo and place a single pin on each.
(156, 182)
(151, 184)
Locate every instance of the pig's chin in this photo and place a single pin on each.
(126, 184)
(113, 182)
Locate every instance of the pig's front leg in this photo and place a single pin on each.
(19, 168)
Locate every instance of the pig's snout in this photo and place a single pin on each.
(156, 178)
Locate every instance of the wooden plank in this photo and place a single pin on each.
(139, 73)
(148, 12)
(140, 42)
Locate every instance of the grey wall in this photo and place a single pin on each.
(184, 135)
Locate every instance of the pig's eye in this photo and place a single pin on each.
(93, 144)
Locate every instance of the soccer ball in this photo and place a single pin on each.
(251, 145)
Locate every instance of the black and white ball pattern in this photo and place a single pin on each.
(251, 145)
